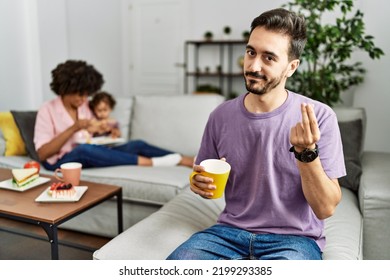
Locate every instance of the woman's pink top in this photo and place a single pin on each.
(53, 119)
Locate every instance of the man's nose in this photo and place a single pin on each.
(255, 65)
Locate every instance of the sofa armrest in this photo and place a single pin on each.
(374, 200)
(344, 230)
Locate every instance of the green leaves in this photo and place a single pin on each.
(326, 70)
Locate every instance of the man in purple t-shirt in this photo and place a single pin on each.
(285, 152)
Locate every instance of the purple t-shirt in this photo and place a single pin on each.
(264, 192)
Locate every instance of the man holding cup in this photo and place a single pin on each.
(285, 154)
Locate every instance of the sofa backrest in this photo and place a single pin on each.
(173, 122)
(123, 112)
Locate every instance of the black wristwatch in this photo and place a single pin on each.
(307, 155)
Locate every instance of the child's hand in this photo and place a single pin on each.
(115, 133)
(82, 124)
(104, 126)
(96, 126)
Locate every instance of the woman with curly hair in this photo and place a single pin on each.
(62, 120)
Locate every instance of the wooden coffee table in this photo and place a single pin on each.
(21, 206)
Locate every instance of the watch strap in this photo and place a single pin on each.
(307, 155)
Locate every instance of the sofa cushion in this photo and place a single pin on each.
(155, 237)
(344, 230)
(352, 138)
(352, 124)
(14, 144)
(2, 143)
(188, 213)
(347, 114)
(159, 120)
(156, 185)
(25, 120)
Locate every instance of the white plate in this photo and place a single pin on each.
(7, 184)
(102, 140)
(45, 197)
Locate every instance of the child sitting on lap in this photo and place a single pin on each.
(102, 104)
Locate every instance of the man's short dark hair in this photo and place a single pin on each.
(287, 23)
(75, 76)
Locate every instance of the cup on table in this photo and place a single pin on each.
(71, 172)
(217, 169)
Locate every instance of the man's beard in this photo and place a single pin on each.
(253, 85)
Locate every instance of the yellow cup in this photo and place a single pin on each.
(217, 169)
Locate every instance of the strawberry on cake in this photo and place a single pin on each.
(62, 190)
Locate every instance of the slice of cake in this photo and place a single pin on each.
(62, 190)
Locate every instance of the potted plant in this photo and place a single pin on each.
(226, 32)
(245, 35)
(326, 69)
(208, 36)
(207, 88)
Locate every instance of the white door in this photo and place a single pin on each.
(153, 46)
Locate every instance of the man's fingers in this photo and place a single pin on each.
(202, 186)
(315, 131)
(307, 134)
(311, 131)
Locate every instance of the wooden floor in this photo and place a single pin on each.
(12, 238)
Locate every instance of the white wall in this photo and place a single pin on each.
(53, 39)
(38, 34)
(374, 93)
(88, 30)
(19, 55)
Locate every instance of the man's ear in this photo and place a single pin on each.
(292, 67)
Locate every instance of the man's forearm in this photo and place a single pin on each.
(322, 193)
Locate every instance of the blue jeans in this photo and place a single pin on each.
(103, 156)
(221, 242)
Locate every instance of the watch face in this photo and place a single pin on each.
(309, 155)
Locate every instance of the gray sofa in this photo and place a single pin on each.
(160, 212)
(359, 229)
(174, 122)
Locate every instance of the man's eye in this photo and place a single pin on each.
(268, 58)
(250, 52)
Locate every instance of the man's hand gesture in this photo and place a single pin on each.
(306, 133)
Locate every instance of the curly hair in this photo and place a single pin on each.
(102, 96)
(75, 76)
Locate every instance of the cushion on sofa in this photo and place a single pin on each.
(159, 120)
(25, 120)
(188, 213)
(155, 237)
(2, 143)
(344, 230)
(156, 185)
(352, 124)
(14, 144)
(351, 135)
